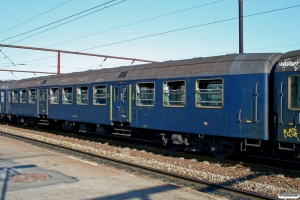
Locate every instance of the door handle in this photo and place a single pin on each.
(239, 116)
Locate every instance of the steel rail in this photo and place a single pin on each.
(200, 185)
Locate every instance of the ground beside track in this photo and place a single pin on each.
(71, 178)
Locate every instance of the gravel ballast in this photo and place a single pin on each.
(265, 183)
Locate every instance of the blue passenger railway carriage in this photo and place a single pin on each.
(222, 104)
(287, 102)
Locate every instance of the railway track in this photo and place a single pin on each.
(202, 186)
(254, 163)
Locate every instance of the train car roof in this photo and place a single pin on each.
(289, 61)
(6, 84)
(231, 64)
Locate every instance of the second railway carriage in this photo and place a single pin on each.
(287, 103)
(217, 103)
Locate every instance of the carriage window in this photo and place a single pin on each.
(116, 94)
(82, 95)
(54, 96)
(22, 96)
(31, 96)
(14, 97)
(209, 93)
(67, 95)
(2, 97)
(145, 94)
(99, 95)
(174, 93)
(294, 92)
(125, 94)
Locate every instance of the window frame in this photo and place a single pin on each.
(63, 95)
(105, 95)
(163, 94)
(29, 95)
(116, 94)
(209, 106)
(290, 93)
(77, 95)
(52, 95)
(136, 94)
(13, 98)
(23, 100)
(2, 95)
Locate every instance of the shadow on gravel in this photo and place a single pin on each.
(6, 173)
(230, 183)
(139, 194)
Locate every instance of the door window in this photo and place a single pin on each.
(125, 94)
(116, 94)
(294, 92)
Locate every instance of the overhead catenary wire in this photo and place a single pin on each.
(63, 20)
(7, 57)
(210, 23)
(69, 21)
(35, 17)
(126, 25)
(190, 27)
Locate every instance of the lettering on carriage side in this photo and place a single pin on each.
(26, 83)
(81, 79)
(288, 63)
(99, 80)
(292, 132)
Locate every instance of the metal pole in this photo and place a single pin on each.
(241, 40)
(58, 62)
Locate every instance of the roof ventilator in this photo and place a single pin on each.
(122, 74)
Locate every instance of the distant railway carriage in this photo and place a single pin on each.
(221, 104)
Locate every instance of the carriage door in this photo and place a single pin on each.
(42, 101)
(2, 101)
(120, 102)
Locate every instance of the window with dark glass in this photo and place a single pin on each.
(145, 94)
(116, 94)
(209, 93)
(67, 95)
(294, 92)
(174, 93)
(99, 95)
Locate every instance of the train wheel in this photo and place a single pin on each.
(173, 147)
(220, 155)
(218, 151)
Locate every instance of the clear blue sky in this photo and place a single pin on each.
(270, 32)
